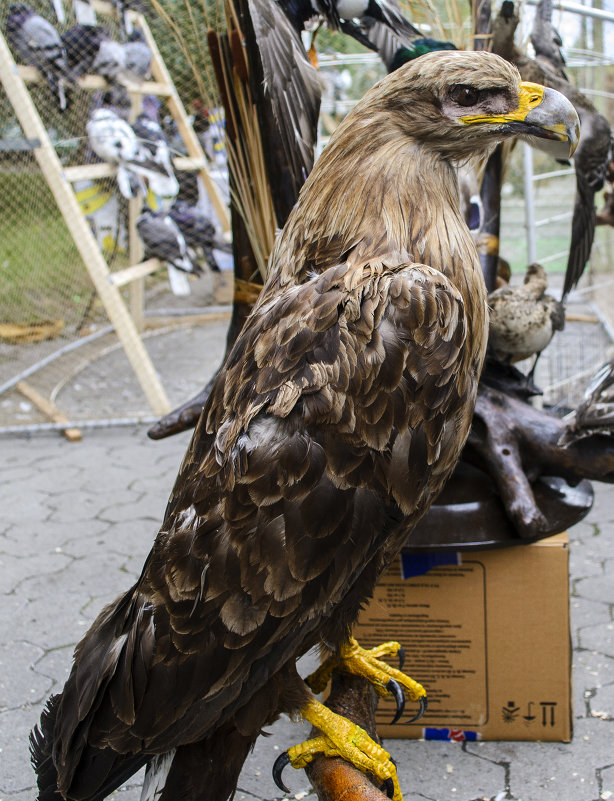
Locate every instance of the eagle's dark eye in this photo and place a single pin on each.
(465, 95)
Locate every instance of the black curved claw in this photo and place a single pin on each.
(423, 707)
(394, 688)
(388, 788)
(278, 766)
(401, 655)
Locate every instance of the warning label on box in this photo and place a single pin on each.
(445, 643)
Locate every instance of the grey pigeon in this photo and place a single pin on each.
(138, 56)
(110, 60)
(199, 232)
(82, 44)
(155, 157)
(163, 239)
(36, 42)
(113, 140)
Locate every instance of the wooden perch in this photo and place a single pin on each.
(49, 409)
(334, 779)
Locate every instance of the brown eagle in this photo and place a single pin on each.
(336, 420)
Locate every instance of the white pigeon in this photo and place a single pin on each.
(113, 140)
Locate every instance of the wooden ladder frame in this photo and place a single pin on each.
(60, 179)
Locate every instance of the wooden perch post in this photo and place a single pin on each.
(334, 779)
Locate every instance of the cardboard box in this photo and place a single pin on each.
(487, 634)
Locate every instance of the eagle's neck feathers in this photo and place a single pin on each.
(387, 197)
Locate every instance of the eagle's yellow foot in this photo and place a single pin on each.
(340, 738)
(367, 663)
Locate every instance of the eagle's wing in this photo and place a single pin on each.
(333, 404)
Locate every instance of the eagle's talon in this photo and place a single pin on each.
(278, 766)
(401, 655)
(388, 788)
(424, 702)
(394, 688)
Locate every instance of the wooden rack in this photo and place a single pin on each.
(127, 322)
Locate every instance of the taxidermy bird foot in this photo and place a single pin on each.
(340, 738)
(352, 658)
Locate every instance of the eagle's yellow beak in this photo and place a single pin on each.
(543, 114)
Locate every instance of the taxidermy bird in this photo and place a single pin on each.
(138, 57)
(82, 44)
(523, 319)
(110, 61)
(292, 87)
(350, 16)
(155, 157)
(140, 152)
(595, 414)
(36, 42)
(113, 140)
(199, 232)
(606, 215)
(414, 49)
(163, 239)
(335, 421)
(590, 159)
(397, 44)
(90, 49)
(546, 40)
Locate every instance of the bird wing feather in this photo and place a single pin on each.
(291, 84)
(332, 404)
(590, 160)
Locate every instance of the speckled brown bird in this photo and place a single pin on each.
(523, 319)
(336, 420)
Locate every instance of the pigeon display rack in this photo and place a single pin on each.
(18, 82)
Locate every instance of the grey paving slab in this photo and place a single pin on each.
(585, 613)
(599, 638)
(76, 521)
(18, 679)
(446, 770)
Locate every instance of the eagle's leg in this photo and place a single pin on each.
(368, 664)
(340, 738)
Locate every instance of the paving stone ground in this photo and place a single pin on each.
(76, 523)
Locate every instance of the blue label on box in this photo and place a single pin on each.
(417, 564)
(450, 735)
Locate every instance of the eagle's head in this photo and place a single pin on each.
(460, 103)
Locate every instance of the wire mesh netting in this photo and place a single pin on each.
(99, 84)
